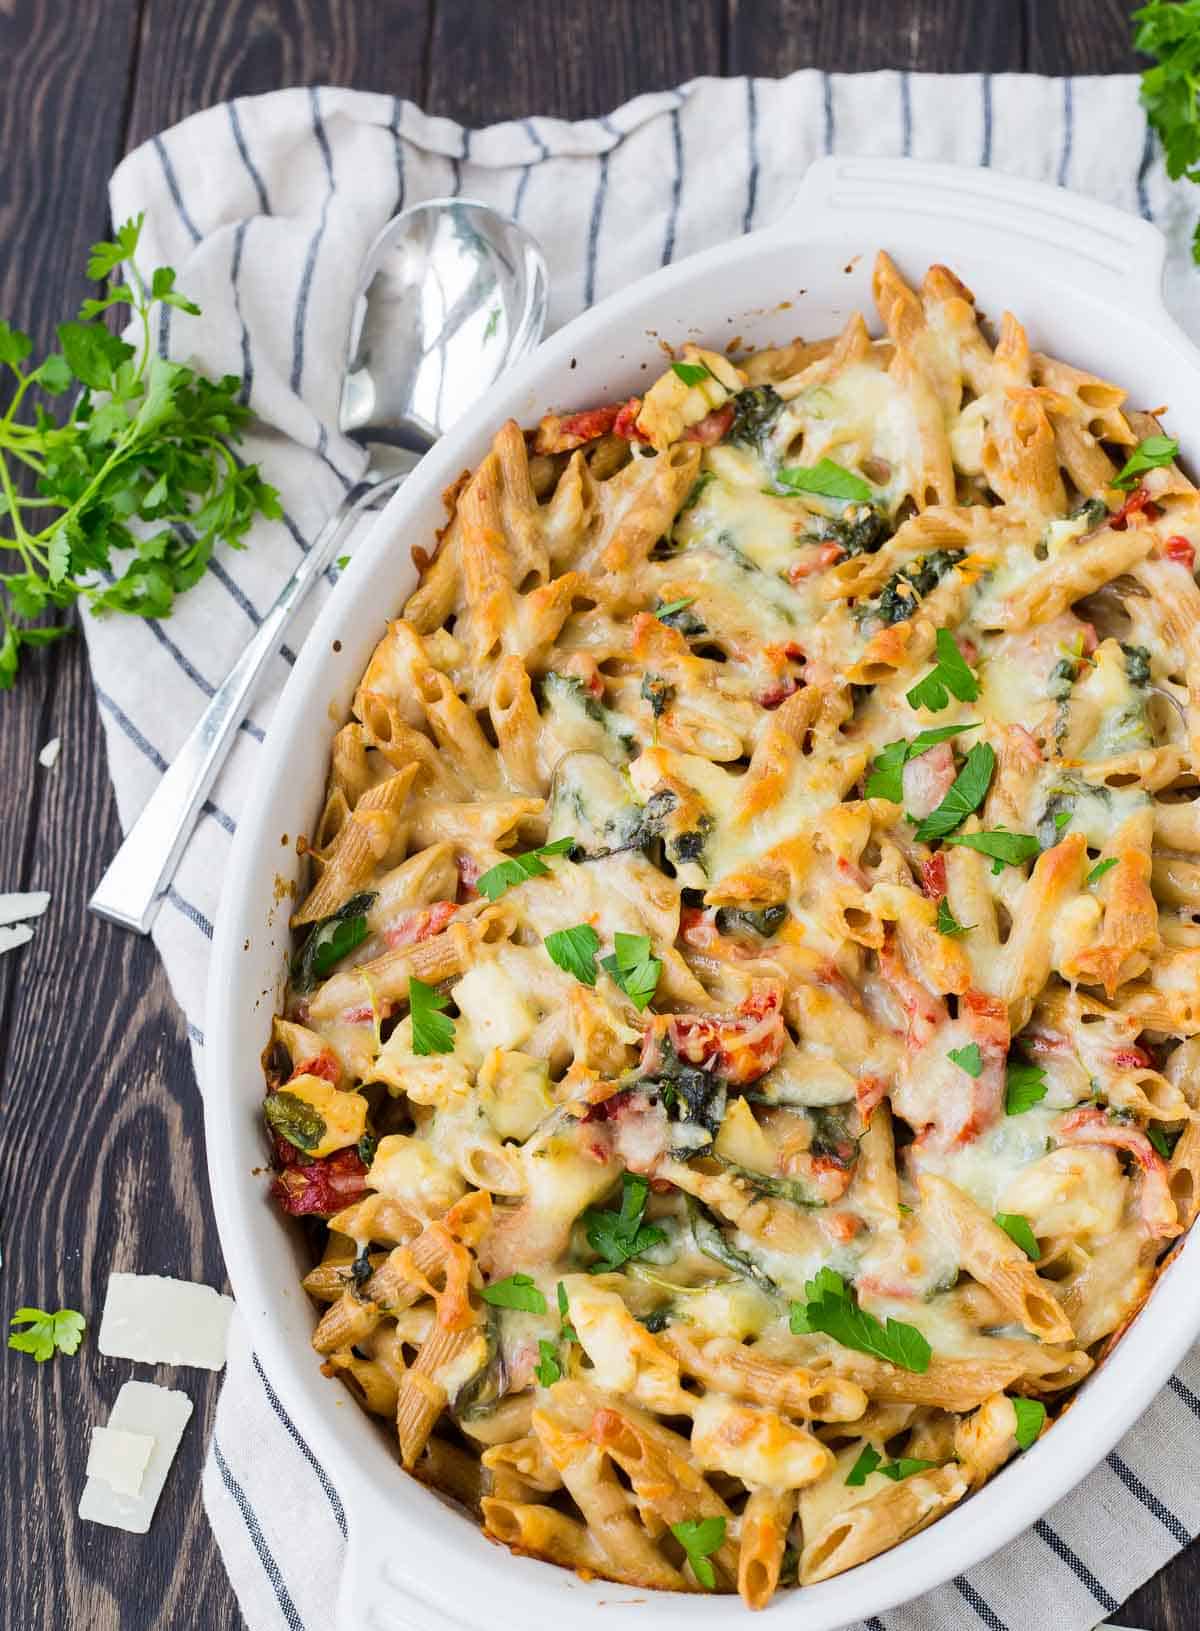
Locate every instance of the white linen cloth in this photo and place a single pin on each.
(265, 207)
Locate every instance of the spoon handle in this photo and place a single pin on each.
(141, 871)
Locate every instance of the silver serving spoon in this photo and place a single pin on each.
(451, 295)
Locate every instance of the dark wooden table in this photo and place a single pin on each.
(101, 1156)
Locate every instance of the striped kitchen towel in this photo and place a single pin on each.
(265, 207)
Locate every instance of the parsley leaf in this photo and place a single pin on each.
(950, 677)
(620, 1236)
(1017, 1227)
(574, 950)
(432, 1031)
(673, 606)
(565, 1329)
(516, 869)
(966, 794)
(1025, 1086)
(691, 373)
(1031, 1415)
(1169, 32)
(826, 479)
(947, 923)
(633, 968)
(331, 939)
(885, 780)
(518, 1291)
(969, 1059)
(869, 1458)
(700, 1538)
(62, 1330)
(1100, 868)
(833, 1309)
(1150, 454)
(1005, 848)
(905, 1467)
(136, 489)
(547, 1370)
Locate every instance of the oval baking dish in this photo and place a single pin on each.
(1085, 281)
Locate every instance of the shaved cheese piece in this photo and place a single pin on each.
(16, 908)
(142, 1410)
(48, 757)
(160, 1321)
(10, 939)
(119, 1458)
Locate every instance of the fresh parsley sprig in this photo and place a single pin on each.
(832, 1308)
(825, 478)
(1024, 1086)
(966, 793)
(134, 483)
(520, 868)
(947, 923)
(700, 1538)
(619, 1236)
(432, 1030)
(1152, 453)
(1031, 1418)
(633, 968)
(691, 373)
(886, 779)
(1171, 88)
(519, 1291)
(950, 676)
(1019, 1229)
(870, 1461)
(969, 1059)
(1004, 848)
(46, 1334)
(574, 950)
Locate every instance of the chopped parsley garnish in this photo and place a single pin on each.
(691, 373)
(832, 1308)
(825, 478)
(565, 1329)
(1031, 1416)
(1017, 1227)
(1100, 868)
(547, 1370)
(1150, 454)
(966, 794)
(620, 1236)
(949, 677)
(518, 1291)
(868, 1459)
(1024, 1086)
(947, 923)
(516, 869)
(1005, 848)
(432, 1030)
(672, 606)
(700, 1538)
(969, 1059)
(905, 1467)
(574, 950)
(633, 968)
(328, 941)
(46, 1334)
(886, 780)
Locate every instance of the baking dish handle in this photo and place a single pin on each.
(376, 1593)
(1112, 247)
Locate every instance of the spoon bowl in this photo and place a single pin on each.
(451, 293)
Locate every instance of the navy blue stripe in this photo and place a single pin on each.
(459, 162)
(235, 124)
(168, 170)
(1182, 1391)
(314, 245)
(668, 251)
(1064, 161)
(751, 154)
(293, 1433)
(193, 913)
(1077, 1566)
(988, 1615)
(288, 655)
(1149, 1500)
(235, 272)
(164, 330)
(985, 91)
(875, 1624)
(528, 127)
(130, 730)
(827, 93)
(195, 1034)
(398, 145)
(193, 674)
(270, 1568)
(905, 115)
(322, 452)
(593, 242)
(1143, 190)
(227, 583)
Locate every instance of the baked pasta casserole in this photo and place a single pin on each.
(741, 1046)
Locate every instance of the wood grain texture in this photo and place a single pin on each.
(101, 1162)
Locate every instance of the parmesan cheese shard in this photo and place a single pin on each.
(48, 757)
(119, 1458)
(160, 1321)
(142, 1410)
(17, 908)
(11, 938)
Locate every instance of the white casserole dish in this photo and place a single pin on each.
(1084, 279)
